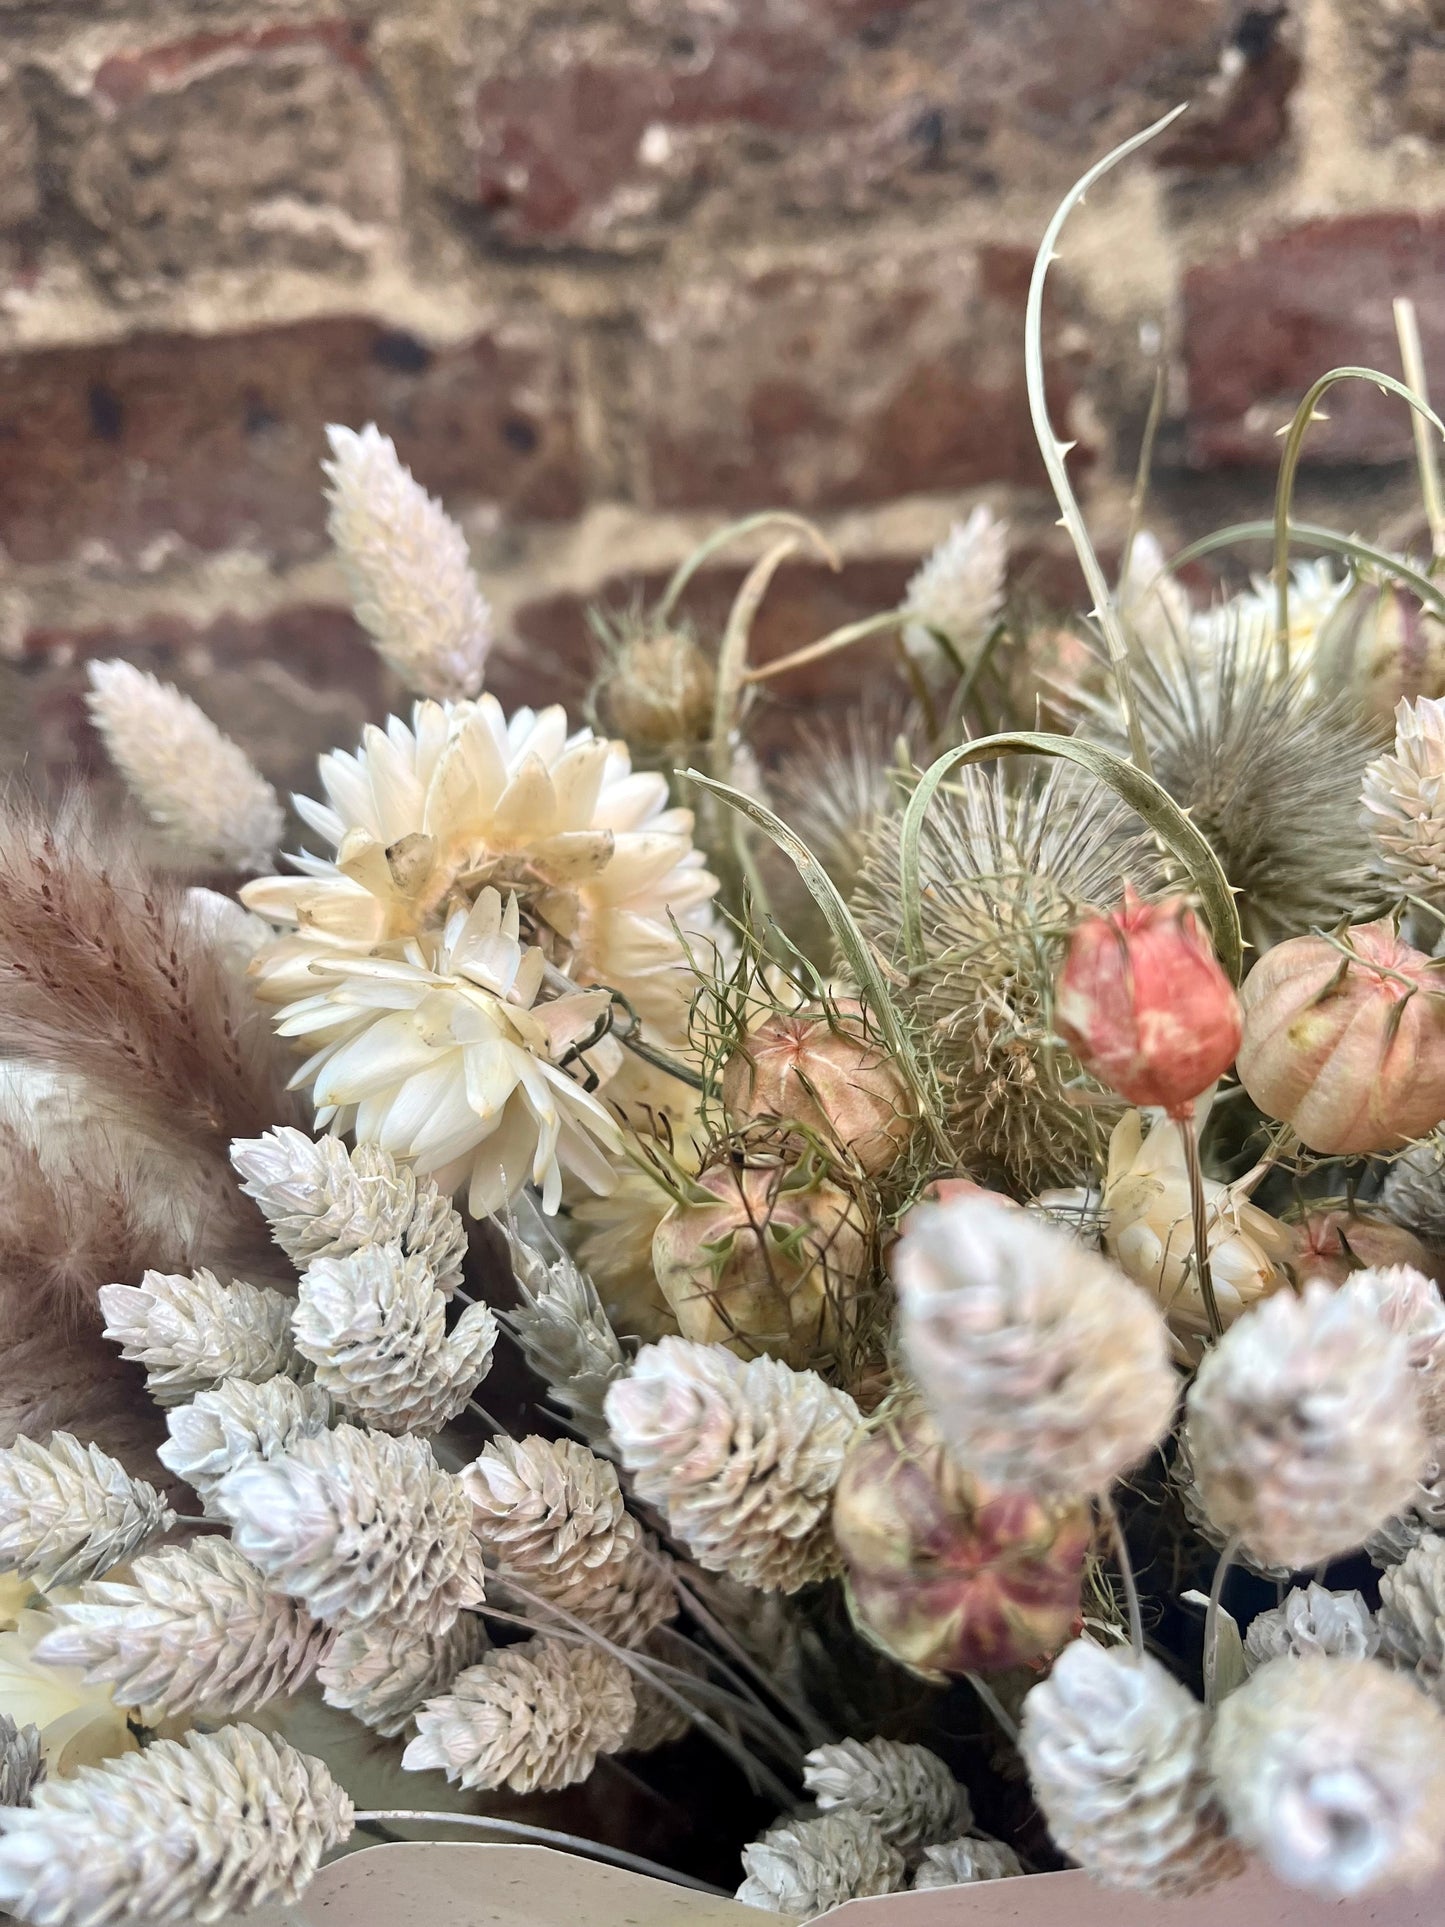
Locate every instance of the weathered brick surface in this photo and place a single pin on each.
(1261, 324)
(218, 439)
(19, 145)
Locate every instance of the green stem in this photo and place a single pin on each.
(1200, 1215)
(1211, 1621)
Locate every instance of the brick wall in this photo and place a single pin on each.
(611, 272)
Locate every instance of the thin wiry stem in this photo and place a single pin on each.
(995, 1705)
(837, 639)
(1211, 1620)
(542, 1837)
(1140, 491)
(817, 1734)
(1200, 1217)
(719, 539)
(1412, 360)
(1126, 1573)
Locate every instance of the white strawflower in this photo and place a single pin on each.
(1404, 799)
(239, 1420)
(958, 1863)
(406, 566)
(1044, 1367)
(22, 1767)
(188, 1830)
(359, 1526)
(1115, 1752)
(1304, 1426)
(1333, 1770)
(383, 1671)
(906, 1791)
(192, 1332)
(532, 1717)
(1425, 1514)
(742, 1456)
(322, 1200)
(1312, 1619)
(1407, 1301)
(551, 1514)
(808, 1866)
(69, 1511)
(560, 1324)
(193, 1628)
(1412, 1613)
(214, 806)
(373, 1324)
(956, 596)
(420, 995)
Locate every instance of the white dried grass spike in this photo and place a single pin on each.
(239, 1420)
(70, 1512)
(805, 1867)
(906, 1791)
(192, 1332)
(382, 1672)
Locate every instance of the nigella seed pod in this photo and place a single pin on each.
(1345, 1041)
(655, 691)
(821, 1070)
(1144, 1004)
(948, 1573)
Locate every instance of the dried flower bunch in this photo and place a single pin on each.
(1046, 1180)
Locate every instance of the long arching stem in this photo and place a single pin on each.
(542, 1837)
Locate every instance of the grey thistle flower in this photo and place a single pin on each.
(22, 1766)
(807, 1866)
(906, 1791)
(1304, 1426)
(1115, 1753)
(564, 1333)
(532, 1717)
(1412, 1614)
(1333, 1770)
(192, 1332)
(959, 1863)
(359, 1526)
(373, 1324)
(1312, 1619)
(239, 1420)
(383, 1671)
(194, 1628)
(188, 1830)
(69, 1511)
(322, 1200)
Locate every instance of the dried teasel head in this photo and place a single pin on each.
(655, 688)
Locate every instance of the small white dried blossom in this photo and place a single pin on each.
(532, 1717)
(69, 1511)
(1388, 1544)
(22, 1765)
(214, 806)
(906, 1791)
(192, 1332)
(1333, 1770)
(407, 567)
(239, 1420)
(958, 1863)
(383, 1671)
(742, 1456)
(1412, 1613)
(359, 1526)
(194, 1627)
(1312, 1619)
(188, 1830)
(1304, 1426)
(565, 1335)
(808, 1866)
(1404, 799)
(1407, 1301)
(1044, 1367)
(322, 1200)
(373, 1324)
(955, 597)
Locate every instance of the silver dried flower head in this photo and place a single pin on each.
(1388, 1544)
(373, 1325)
(1044, 1367)
(383, 1671)
(22, 1766)
(742, 1457)
(1412, 1613)
(532, 1717)
(1304, 1426)
(69, 1511)
(213, 806)
(193, 1628)
(906, 1791)
(239, 1420)
(1413, 1193)
(1403, 799)
(1115, 1752)
(1408, 1302)
(560, 1324)
(956, 596)
(359, 1526)
(188, 1830)
(1333, 1770)
(806, 1866)
(322, 1200)
(1312, 1619)
(192, 1332)
(407, 567)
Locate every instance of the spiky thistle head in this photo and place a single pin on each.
(1008, 862)
(841, 781)
(654, 689)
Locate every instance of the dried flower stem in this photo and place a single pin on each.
(815, 1732)
(1006, 1721)
(1139, 493)
(719, 539)
(1412, 360)
(828, 645)
(732, 655)
(1200, 1215)
(1126, 1572)
(542, 1837)
(1211, 1620)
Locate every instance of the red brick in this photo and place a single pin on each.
(840, 381)
(1260, 325)
(218, 439)
(1243, 115)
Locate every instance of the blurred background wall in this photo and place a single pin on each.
(613, 273)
